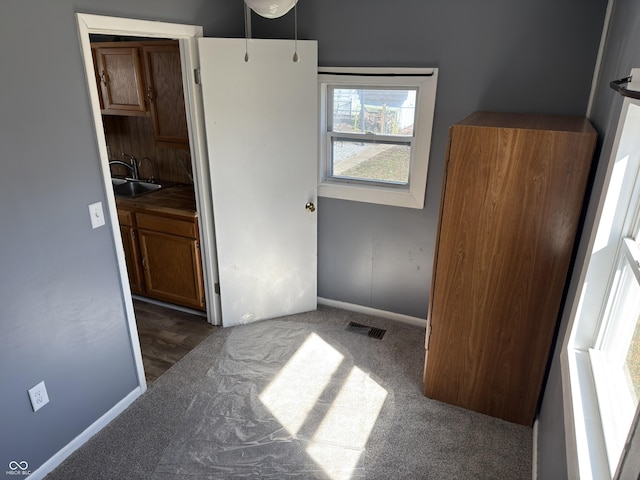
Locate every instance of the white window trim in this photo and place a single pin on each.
(585, 444)
(413, 195)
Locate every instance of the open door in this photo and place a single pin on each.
(261, 128)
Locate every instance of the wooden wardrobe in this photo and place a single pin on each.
(512, 196)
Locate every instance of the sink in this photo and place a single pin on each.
(118, 181)
(133, 188)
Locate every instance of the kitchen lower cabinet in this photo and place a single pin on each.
(131, 250)
(171, 262)
(511, 202)
(165, 257)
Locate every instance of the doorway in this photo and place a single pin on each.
(186, 36)
(146, 133)
(271, 134)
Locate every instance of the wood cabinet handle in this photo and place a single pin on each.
(144, 263)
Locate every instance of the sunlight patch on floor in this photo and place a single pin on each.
(340, 436)
(296, 389)
(343, 433)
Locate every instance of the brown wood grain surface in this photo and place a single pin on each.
(147, 119)
(162, 247)
(511, 203)
(166, 96)
(134, 136)
(178, 200)
(121, 79)
(172, 268)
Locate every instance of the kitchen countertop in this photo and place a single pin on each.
(178, 199)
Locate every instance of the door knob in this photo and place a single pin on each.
(310, 207)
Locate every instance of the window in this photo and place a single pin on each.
(376, 134)
(601, 358)
(615, 356)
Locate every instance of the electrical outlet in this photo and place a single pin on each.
(38, 396)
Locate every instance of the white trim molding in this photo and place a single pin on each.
(48, 466)
(374, 312)
(608, 219)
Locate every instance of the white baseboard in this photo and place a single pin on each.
(95, 427)
(399, 317)
(172, 306)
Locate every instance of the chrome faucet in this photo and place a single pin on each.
(133, 166)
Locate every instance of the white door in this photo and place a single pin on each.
(261, 127)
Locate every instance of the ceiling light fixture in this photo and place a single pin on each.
(271, 8)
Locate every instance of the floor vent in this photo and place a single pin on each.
(372, 332)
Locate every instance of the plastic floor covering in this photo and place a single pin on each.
(283, 400)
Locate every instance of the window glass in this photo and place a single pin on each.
(380, 111)
(616, 360)
(373, 118)
(632, 359)
(370, 161)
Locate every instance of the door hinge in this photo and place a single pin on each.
(197, 245)
(216, 288)
(429, 336)
(196, 76)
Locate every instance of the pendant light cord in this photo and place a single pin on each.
(247, 27)
(295, 27)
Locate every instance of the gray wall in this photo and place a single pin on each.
(620, 55)
(61, 313)
(527, 56)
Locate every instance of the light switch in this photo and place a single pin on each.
(97, 216)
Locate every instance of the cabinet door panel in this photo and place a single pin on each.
(121, 80)
(172, 268)
(132, 258)
(166, 97)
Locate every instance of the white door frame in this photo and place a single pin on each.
(187, 36)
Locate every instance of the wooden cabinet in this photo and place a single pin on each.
(165, 93)
(171, 259)
(144, 79)
(511, 202)
(163, 256)
(131, 250)
(121, 80)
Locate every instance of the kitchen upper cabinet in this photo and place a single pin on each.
(144, 79)
(121, 80)
(511, 202)
(97, 75)
(165, 93)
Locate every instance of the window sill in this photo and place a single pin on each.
(586, 450)
(397, 197)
